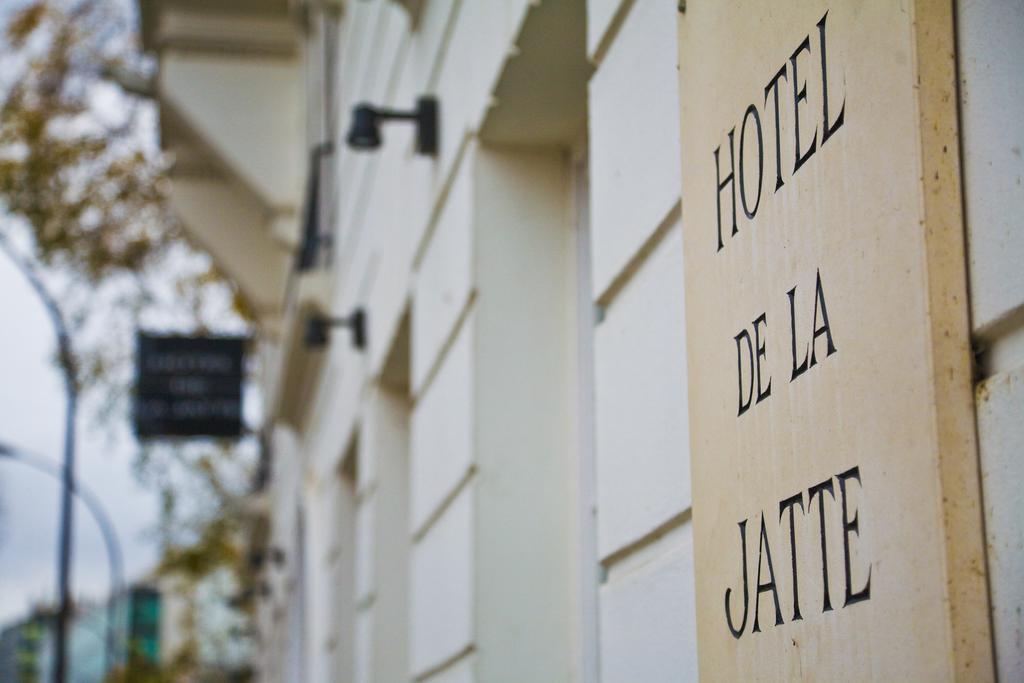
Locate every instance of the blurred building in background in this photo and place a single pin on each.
(21, 645)
(150, 631)
(495, 486)
(26, 648)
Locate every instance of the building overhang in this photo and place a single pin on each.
(231, 99)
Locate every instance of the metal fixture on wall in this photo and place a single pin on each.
(313, 234)
(261, 589)
(366, 119)
(318, 329)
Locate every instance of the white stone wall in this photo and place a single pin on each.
(991, 60)
(459, 556)
(479, 248)
(466, 541)
(647, 625)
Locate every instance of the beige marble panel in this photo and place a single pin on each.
(832, 432)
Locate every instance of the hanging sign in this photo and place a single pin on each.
(189, 386)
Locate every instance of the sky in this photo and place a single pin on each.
(32, 405)
(32, 418)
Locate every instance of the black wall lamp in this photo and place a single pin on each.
(366, 120)
(318, 329)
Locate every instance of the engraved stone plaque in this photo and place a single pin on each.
(836, 512)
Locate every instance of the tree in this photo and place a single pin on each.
(84, 207)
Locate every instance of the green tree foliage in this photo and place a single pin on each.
(83, 197)
(91, 194)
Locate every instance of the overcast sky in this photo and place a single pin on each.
(31, 417)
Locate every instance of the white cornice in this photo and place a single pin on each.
(232, 33)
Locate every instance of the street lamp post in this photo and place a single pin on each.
(96, 509)
(67, 364)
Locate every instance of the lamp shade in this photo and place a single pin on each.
(365, 130)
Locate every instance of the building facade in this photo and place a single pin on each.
(496, 485)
